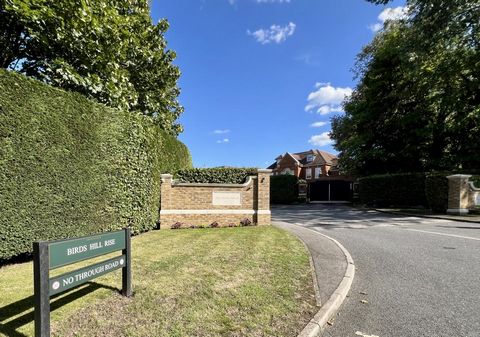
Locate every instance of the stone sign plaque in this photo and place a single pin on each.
(226, 199)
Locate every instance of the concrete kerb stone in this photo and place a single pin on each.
(315, 280)
(317, 324)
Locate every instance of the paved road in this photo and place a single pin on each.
(421, 276)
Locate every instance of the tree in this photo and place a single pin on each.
(106, 50)
(416, 106)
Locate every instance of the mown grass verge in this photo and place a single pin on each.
(250, 281)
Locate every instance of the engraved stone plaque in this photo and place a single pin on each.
(226, 198)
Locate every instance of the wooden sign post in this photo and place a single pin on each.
(48, 255)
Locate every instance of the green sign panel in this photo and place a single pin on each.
(66, 252)
(54, 254)
(79, 276)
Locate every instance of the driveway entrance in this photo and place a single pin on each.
(331, 190)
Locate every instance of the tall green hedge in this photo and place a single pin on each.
(219, 175)
(69, 166)
(406, 189)
(436, 191)
(283, 189)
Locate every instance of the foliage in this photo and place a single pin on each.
(107, 50)
(218, 175)
(176, 225)
(70, 167)
(245, 222)
(417, 105)
(214, 225)
(283, 189)
(436, 191)
(406, 189)
(476, 181)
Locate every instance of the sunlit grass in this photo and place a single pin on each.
(252, 281)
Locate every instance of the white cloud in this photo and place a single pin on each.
(232, 2)
(224, 140)
(275, 33)
(321, 139)
(220, 131)
(327, 99)
(388, 14)
(318, 124)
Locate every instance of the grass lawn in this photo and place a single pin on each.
(248, 281)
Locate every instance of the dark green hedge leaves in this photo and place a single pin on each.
(70, 167)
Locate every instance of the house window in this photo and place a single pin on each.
(318, 172)
(310, 158)
(308, 174)
(287, 171)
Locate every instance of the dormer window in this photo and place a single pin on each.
(310, 158)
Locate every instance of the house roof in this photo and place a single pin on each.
(321, 158)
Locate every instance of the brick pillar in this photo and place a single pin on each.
(165, 196)
(263, 195)
(458, 194)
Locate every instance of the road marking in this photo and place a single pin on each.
(444, 234)
(359, 333)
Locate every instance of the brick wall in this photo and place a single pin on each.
(462, 195)
(202, 204)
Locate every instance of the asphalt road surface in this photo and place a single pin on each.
(415, 276)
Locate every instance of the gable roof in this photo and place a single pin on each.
(321, 158)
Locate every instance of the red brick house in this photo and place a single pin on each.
(308, 165)
(319, 169)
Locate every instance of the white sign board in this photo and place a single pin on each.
(226, 199)
(477, 199)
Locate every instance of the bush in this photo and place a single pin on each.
(72, 167)
(218, 175)
(176, 225)
(245, 222)
(283, 189)
(436, 191)
(214, 225)
(476, 180)
(398, 190)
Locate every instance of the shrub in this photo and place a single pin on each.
(476, 180)
(283, 189)
(436, 191)
(218, 175)
(176, 225)
(72, 167)
(399, 190)
(214, 225)
(245, 222)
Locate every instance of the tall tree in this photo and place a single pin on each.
(108, 50)
(417, 104)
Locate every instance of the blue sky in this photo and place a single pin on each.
(257, 74)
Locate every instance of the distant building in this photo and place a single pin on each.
(320, 170)
(309, 165)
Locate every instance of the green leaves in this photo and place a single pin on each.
(218, 175)
(107, 50)
(416, 106)
(72, 167)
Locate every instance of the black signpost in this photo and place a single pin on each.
(48, 255)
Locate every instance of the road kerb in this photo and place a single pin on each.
(316, 325)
